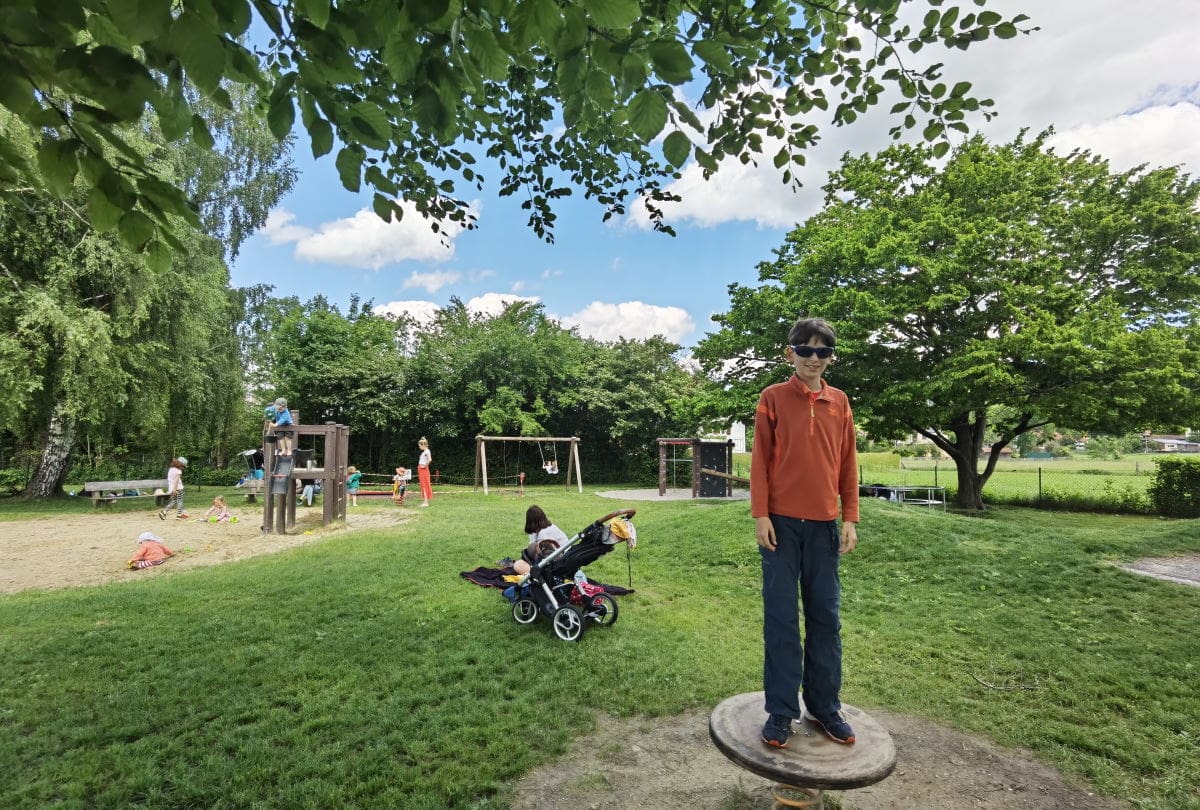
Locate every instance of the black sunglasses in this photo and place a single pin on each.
(822, 352)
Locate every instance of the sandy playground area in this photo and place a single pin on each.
(91, 548)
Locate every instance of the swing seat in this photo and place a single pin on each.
(551, 468)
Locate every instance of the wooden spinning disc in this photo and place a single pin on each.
(811, 759)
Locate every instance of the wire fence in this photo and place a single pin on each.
(1120, 485)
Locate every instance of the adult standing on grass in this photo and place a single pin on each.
(175, 489)
(423, 471)
(804, 460)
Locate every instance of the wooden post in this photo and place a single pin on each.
(483, 463)
(695, 468)
(662, 467)
(475, 485)
(578, 468)
(268, 523)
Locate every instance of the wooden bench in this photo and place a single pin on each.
(103, 493)
(252, 487)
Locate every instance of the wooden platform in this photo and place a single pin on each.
(811, 761)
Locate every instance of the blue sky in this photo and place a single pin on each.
(1124, 83)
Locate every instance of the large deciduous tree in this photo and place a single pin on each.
(1010, 288)
(99, 341)
(561, 94)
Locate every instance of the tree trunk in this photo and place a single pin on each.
(970, 494)
(968, 441)
(55, 461)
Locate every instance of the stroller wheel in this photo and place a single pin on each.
(602, 609)
(568, 623)
(524, 610)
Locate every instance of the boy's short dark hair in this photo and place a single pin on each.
(806, 329)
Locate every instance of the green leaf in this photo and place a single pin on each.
(158, 257)
(349, 165)
(200, 51)
(715, 56)
(489, 56)
(402, 54)
(58, 162)
(321, 134)
(281, 115)
(16, 92)
(429, 110)
(677, 148)
(671, 61)
(135, 230)
(103, 214)
(614, 15)
(546, 18)
(271, 16)
(234, 16)
(317, 11)
(384, 207)
(932, 130)
(140, 20)
(574, 32)
(988, 18)
(370, 124)
(1006, 30)
(200, 133)
(422, 12)
(960, 89)
(940, 148)
(647, 114)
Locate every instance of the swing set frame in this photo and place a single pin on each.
(573, 465)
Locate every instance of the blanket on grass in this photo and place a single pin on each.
(494, 578)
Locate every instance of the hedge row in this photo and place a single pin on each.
(1175, 491)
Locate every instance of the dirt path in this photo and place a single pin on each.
(670, 762)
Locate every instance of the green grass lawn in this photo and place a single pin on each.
(360, 670)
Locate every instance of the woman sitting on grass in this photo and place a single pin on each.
(544, 537)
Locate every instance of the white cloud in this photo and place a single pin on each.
(423, 312)
(494, 303)
(549, 274)
(433, 281)
(632, 320)
(1158, 136)
(1122, 83)
(364, 240)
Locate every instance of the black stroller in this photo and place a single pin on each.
(550, 589)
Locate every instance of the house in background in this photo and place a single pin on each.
(1171, 444)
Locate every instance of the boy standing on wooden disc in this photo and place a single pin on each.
(804, 462)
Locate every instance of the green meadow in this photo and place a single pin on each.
(361, 670)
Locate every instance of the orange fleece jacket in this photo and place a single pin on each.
(804, 455)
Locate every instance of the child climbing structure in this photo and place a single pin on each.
(281, 472)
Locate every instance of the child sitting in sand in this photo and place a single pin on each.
(218, 510)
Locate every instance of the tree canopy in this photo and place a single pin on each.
(99, 343)
(1011, 288)
(560, 94)
(517, 372)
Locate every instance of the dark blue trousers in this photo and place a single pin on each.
(806, 554)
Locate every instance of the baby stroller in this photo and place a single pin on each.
(550, 588)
